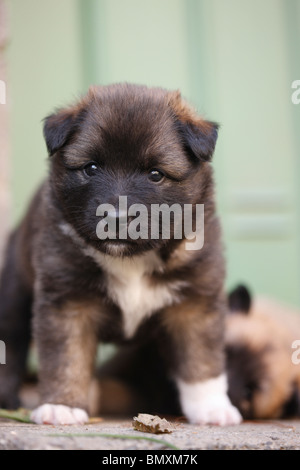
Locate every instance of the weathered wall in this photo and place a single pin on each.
(4, 133)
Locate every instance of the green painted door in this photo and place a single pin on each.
(234, 59)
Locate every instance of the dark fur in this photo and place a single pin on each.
(127, 130)
(246, 371)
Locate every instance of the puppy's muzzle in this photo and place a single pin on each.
(119, 221)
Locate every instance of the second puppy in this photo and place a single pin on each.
(264, 380)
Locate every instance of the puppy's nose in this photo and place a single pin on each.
(119, 217)
(119, 220)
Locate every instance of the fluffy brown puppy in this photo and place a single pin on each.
(146, 145)
(262, 337)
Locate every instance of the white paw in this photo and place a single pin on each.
(207, 403)
(58, 414)
(213, 410)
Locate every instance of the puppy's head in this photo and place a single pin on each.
(120, 151)
(261, 377)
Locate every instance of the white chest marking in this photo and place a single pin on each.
(128, 282)
(129, 286)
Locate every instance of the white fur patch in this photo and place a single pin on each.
(207, 402)
(129, 287)
(58, 414)
(128, 283)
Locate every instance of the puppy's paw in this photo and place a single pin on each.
(213, 410)
(207, 403)
(58, 414)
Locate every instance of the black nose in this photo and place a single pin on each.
(119, 220)
(120, 217)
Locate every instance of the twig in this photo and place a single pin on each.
(116, 436)
(21, 415)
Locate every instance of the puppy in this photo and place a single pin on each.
(264, 381)
(146, 147)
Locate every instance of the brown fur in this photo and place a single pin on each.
(71, 331)
(127, 130)
(184, 331)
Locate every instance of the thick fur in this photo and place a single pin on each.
(80, 290)
(263, 380)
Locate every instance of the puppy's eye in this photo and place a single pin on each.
(91, 169)
(156, 176)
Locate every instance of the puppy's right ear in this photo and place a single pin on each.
(58, 128)
(239, 300)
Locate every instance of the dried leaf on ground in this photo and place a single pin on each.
(152, 424)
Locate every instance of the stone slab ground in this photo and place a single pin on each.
(264, 435)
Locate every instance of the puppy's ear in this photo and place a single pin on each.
(59, 127)
(199, 136)
(239, 300)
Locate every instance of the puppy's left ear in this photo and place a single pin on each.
(200, 139)
(199, 136)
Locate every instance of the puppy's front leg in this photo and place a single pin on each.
(196, 354)
(66, 340)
